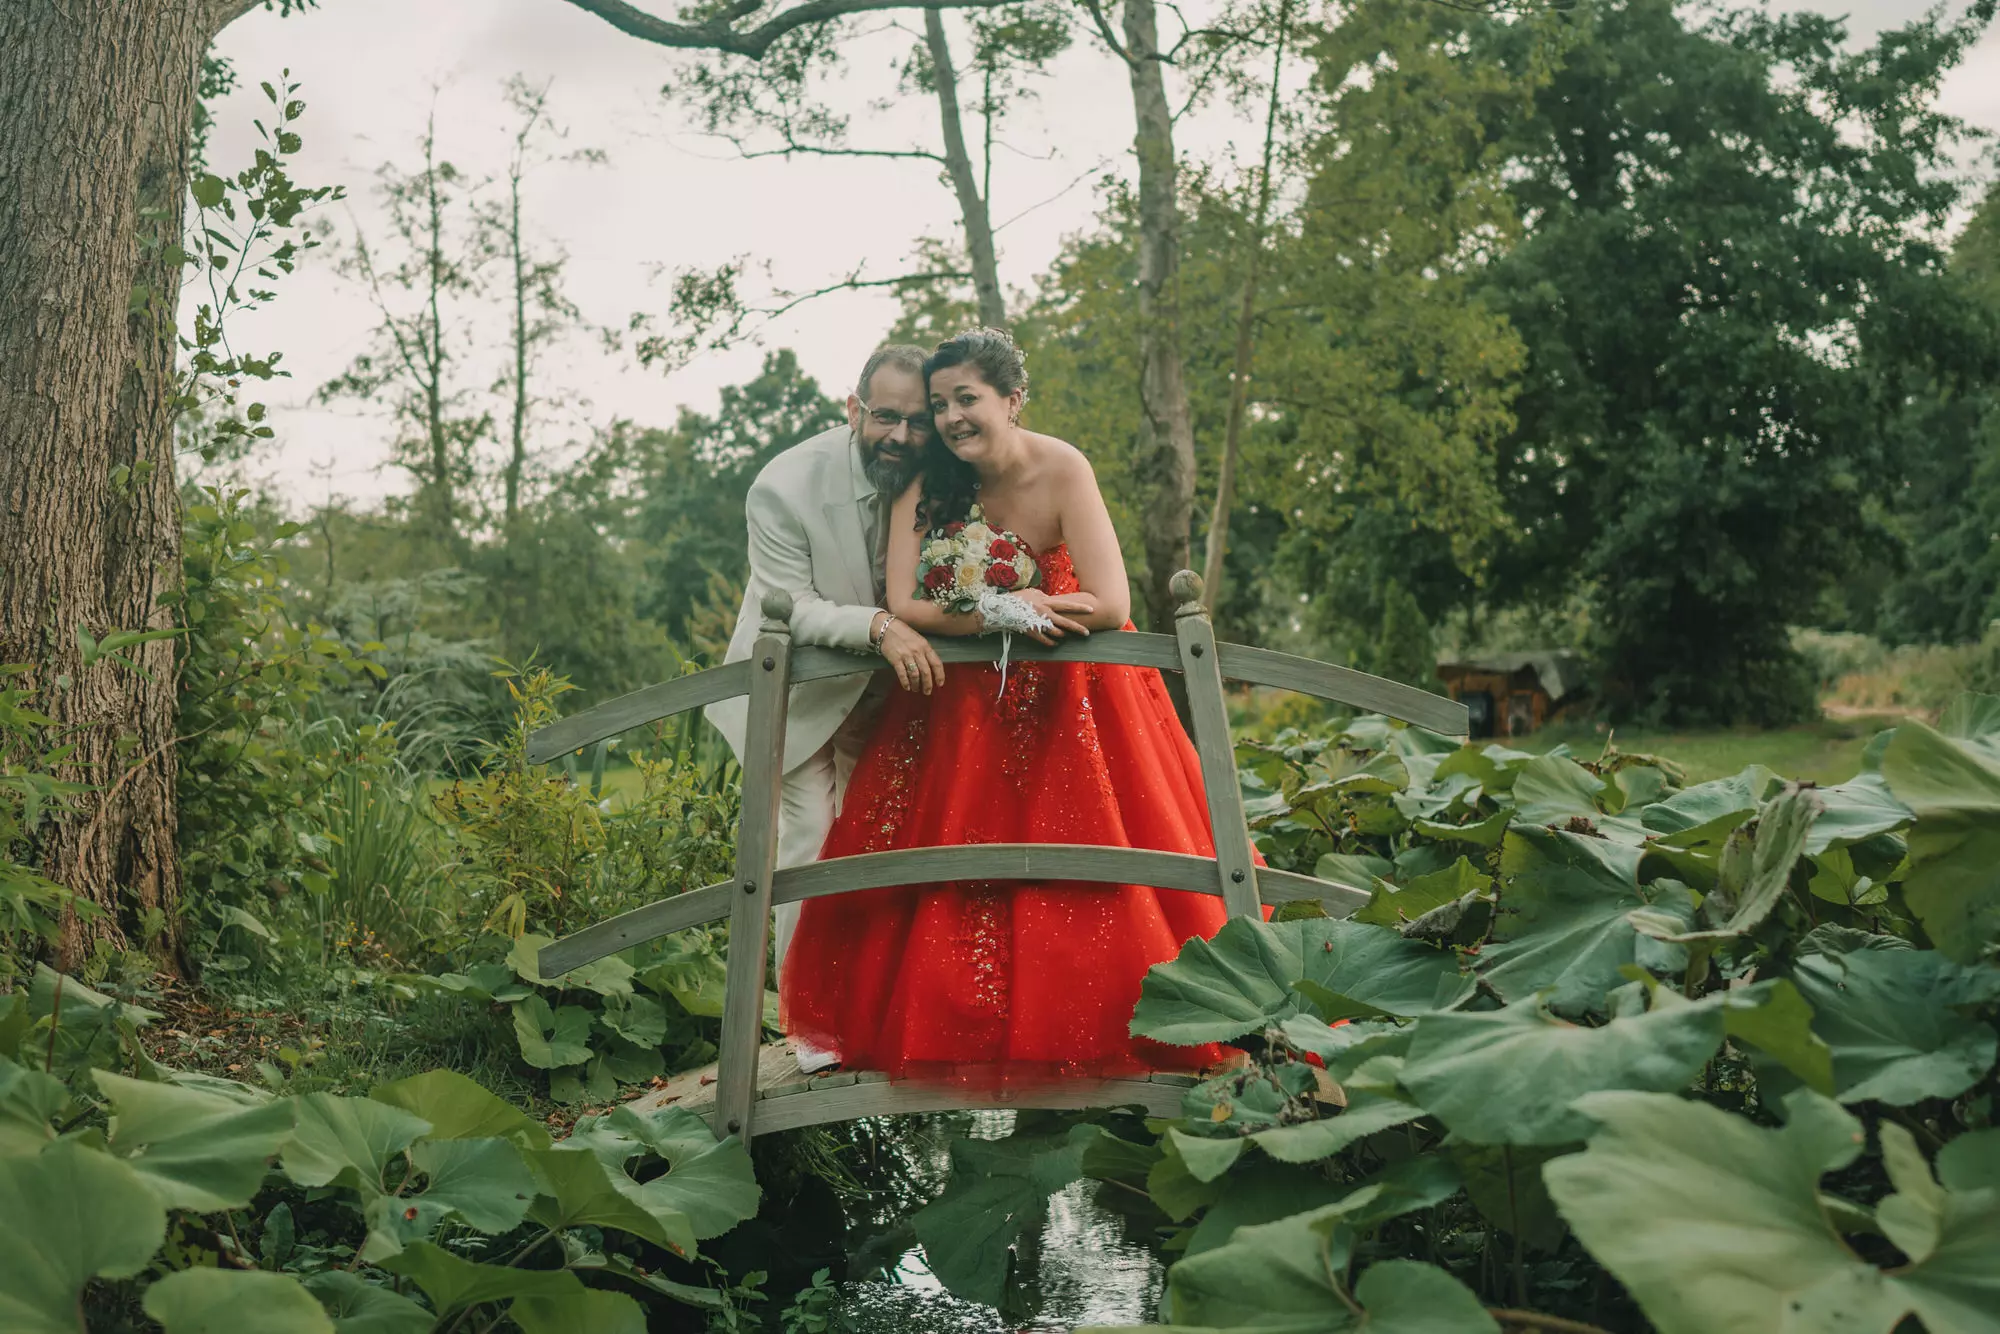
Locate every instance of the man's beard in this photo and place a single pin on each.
(889, 475)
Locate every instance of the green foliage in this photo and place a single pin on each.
(30, 903)
(182, 1195)
(1735, 304)
(1735, 1042)
(537, 855)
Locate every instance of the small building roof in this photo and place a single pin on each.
(1559, 671)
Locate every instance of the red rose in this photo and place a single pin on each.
(954, 529)
(939, 577)
(1002, 549)
(1002, 576)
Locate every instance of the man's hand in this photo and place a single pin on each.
(911, 658)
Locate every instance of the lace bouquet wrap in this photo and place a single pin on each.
(974, 567)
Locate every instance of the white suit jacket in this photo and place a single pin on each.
(805, 514)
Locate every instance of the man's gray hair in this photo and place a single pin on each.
(903, 356)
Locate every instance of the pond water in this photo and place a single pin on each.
(1083, 1269)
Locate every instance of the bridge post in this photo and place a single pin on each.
(1202, 668)
(756, 861)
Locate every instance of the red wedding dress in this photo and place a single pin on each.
(1007, 983)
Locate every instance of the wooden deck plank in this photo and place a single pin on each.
(787, 1100)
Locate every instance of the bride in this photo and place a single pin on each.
(1005, 983)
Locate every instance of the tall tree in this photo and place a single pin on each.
(540, 312)
(90, 274)
(1733, 291)
(763, 84)
(420, 277)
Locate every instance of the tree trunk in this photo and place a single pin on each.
(958, 162)
(1165, 453)
(96, 111)
(1246, 345)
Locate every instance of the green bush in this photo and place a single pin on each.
(428, 1205)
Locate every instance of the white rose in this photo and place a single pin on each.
(977, 535)
(969, 578)
(937, 549)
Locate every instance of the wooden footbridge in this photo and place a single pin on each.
(756, 1087)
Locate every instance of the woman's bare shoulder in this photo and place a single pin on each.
(1063, 460)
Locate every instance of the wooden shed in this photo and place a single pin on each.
(1513, 694)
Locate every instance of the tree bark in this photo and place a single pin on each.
(1246, 343)
(96, 112)
(1165, 439)
(972, 203)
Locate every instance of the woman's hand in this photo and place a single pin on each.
(1059, 609)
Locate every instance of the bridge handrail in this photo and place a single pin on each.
(767, 675)
(1088, 862)
(1239, 662)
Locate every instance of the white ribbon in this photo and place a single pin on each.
(1007, 614)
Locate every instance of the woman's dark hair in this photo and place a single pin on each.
(950, 484)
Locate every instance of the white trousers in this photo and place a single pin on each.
(808, 801)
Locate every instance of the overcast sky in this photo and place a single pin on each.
(372, 71)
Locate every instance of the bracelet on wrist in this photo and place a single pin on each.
(882, 631)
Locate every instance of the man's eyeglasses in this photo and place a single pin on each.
(889, 419)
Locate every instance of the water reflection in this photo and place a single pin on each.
(1083, 1269)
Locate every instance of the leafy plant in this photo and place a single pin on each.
(1601, 1051)
(437, 1205)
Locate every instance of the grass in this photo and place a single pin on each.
(1824, 752)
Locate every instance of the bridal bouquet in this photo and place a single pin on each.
(974, 567)
(964, 565)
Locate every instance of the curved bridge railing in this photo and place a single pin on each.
(774, 666)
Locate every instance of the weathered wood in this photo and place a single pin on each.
(711, 903)
(924, 866)
(1238, 662)
(1343, 685)
(788, 1099)
(1235, 861)
(756, 863)
(1118, 648)
(999, 861)
(1289, 887)
(637, 709)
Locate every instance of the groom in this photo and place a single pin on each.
(818, 516)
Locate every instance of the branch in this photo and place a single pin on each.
(222, 13)
(720, 34)
(854, 283)
(1555, 1324)
(1104, 31)
(816, 150)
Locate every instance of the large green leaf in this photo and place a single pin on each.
(235, 1301)
(1854, 812)
(360, 1307)
(1554, 789)
(1714, 1223)
(551, 1039)
(586, 1311)
(1566, 926)
(1952, 785)
(348, 1141)
(1256, 1193)
(1710, 810)
(1242, 979)
(197, 1150)
(1281, 1277)
(69, 1214)
(709, 1184)
(458, 1108)
(1504, 1182)
(1885, 1011)
(29, 1100)
(1509, 1076)
(998, 1190)
(1392, 906)
(578, 1189)
(453, 1283)
(484, 1183)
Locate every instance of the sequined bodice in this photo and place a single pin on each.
(1058, 575)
